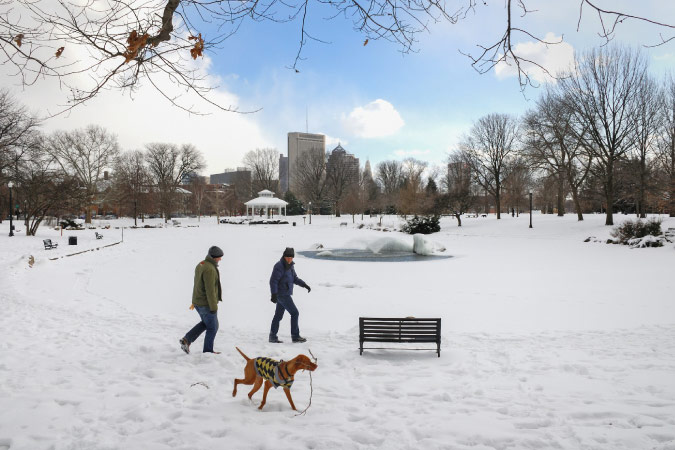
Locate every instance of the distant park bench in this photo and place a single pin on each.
(49, 244)
(343, 224)
(400, 330)
(98, 236)
(471, 216)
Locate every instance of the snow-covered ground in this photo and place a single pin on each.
(548, 342)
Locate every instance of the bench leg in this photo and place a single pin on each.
(361, 349)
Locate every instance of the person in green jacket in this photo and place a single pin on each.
(206, 294)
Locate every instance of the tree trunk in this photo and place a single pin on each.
(561, 195)
(609, 195)
(498, 201)
(577, 204)
(641, 213)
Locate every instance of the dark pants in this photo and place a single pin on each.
(285, 303)
(209, 323)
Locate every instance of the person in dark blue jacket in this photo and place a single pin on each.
(281, 285)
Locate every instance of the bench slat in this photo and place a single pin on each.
(383, 328)
(400, 330)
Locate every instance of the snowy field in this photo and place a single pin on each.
(548, 342)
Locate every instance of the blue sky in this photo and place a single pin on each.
(379, 103)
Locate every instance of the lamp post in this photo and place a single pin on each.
(310, 213)
(530, 208)
(10, 185)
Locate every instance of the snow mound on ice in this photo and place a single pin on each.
(422, 245)
(389, 244)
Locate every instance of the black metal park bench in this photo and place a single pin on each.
(49, 244)
(404, 330)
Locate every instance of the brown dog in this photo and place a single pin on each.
(274, 373)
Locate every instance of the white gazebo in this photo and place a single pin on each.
(265, 202)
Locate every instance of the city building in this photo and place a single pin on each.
(367, 171)
(298, 145)
(239, 178)
(344, 163)
(283, 173)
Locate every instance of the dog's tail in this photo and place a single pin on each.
(242, 354)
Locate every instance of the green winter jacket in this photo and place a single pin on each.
(207, 290)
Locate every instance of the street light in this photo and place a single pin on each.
(310, 213)
(530, 208)
(10, 185)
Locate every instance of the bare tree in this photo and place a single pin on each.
(487, 149)
(310, 176)
(411, 199)
(666, 142)
(647, 119)
(602, 94)
(120, 44)
(85, 155)
(198, 189)
(17, 128)
(264, 166)
(341, 175)
(44, 187)
(388, 175)
(517, 180)
(131, 179)
(459, 195)
(168, 165)
(552, 142)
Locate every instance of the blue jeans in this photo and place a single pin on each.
(209, 323)
(285, 303)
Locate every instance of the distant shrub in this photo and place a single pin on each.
(422, 225)
(630, 230)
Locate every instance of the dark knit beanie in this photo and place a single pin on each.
(215, 252)
(289, 252)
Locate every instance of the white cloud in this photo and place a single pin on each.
(332, 142)
(376, 119)
(146, 116)
(553, 57)
(411, 153)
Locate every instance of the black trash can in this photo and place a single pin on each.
(72, 240)
(293, 223)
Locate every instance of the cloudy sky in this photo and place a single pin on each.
(378, 102)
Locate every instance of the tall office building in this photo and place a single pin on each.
(345, 163)
(298, 145)
(367, 172)
(283, 173)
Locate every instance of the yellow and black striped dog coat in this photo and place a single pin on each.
(269, 369)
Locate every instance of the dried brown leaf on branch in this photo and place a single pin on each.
(18, 39)
(365, 42)
(198, 49)
(59, 51)
(136, 43)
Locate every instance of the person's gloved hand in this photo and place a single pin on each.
(274, 298)
(309, 289)
(213, 312)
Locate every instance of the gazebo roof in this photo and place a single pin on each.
(266, 199)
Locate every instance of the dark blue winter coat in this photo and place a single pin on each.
(283, 278)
